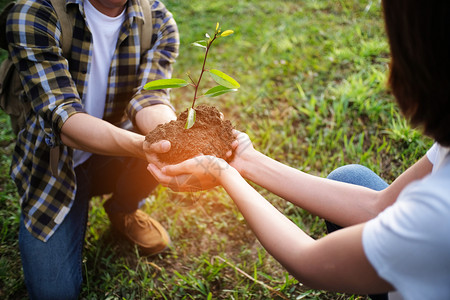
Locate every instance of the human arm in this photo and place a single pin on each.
(338, 202)
(341, 203)
(146, 109)
(156, 63)
(336, 262)
(108, 139)
(53, 94)
(151, 108)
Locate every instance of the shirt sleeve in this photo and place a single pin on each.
(406, 243)
(432, 153)
(33, 34)
(157, 62)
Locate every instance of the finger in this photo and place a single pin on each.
(236, 132)
(152, 158)
(234, 144)
(162, 146)
(178, 169)
(159, 176)
(154, 170)
(184, 183)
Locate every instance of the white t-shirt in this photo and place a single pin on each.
(408, 244)
(105, 33)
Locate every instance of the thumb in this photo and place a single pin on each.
(162, 146)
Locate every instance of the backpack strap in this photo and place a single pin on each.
(67, 22)
(145, 28)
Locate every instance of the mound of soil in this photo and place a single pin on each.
(210, 135)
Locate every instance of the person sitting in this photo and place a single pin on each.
(395, 237)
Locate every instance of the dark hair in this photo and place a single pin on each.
(419, 38)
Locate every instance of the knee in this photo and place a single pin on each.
(348, 173)
(358, 175)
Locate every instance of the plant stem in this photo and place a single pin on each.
(203, 69)
(192, 80)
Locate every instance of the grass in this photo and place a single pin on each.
(313, 77)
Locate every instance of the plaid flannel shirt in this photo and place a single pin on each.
(55, 87)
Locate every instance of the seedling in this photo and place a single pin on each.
(225, 83)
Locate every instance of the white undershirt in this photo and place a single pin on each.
(105, 32)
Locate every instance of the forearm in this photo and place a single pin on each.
(341, 203)
(87, 133)
(336, 262)
(276, 232)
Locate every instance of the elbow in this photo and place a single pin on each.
(382, 200)
(297, 260)
(66, 140)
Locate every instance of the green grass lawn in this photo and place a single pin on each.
(313, 95)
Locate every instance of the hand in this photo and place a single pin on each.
(195, 174)
(151, 151)
(242, 150)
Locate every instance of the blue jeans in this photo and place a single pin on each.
(53, 270)
(362, 176)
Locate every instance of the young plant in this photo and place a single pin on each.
(225, 83)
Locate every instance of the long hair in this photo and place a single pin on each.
(419, 39)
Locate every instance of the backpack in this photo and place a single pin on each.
(11, 88)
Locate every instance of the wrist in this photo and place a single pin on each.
(228, 176)
(137, 142)
(250, 163)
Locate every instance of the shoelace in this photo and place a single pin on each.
(135, 218)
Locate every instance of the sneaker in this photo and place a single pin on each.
(141, 229)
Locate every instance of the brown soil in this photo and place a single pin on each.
(210, 135)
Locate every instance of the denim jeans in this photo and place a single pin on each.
(358, 175)
(53, 270)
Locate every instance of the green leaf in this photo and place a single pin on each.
(201, 44)
(218, 90)
(223, 79)
(165, 84)
(190, 118)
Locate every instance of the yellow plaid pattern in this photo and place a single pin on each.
(55, 87)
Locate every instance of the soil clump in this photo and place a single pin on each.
(210, 135)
